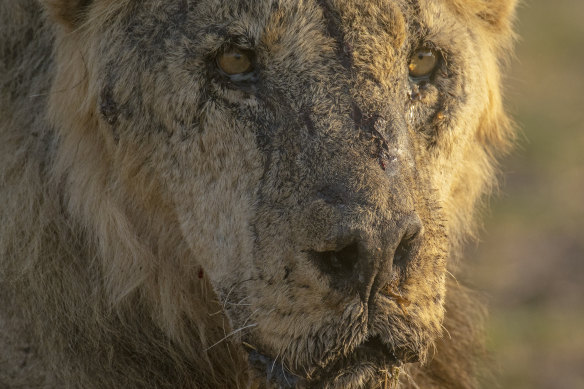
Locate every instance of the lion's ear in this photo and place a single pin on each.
(69, 13)
(498, 13)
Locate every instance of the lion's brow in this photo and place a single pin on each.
(333, 26)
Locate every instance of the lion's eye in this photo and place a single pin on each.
(423, 62)
(234, 61)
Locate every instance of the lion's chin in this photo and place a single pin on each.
(369, 365)
(360, 376)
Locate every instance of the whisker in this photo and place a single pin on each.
(231, 334)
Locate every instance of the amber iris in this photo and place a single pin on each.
(234, 61)
(423, 62)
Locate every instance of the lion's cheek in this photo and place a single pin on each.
(214, 179)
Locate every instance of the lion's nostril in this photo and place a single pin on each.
(403, 252)
(340, 263)
(408, 244)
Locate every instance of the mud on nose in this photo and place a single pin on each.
(361, 264)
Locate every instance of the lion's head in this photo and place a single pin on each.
(315, 162)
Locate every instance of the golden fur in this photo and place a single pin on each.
(164, 226)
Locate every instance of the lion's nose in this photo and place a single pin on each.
(363, 262)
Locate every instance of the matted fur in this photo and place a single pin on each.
(159, 223)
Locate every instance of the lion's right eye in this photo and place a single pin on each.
(234, 61)
(423, 62)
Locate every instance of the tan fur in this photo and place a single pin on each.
(162, 226)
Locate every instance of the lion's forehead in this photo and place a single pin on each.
(269, 22)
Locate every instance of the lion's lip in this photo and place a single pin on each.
(373, 352)
(369, 356)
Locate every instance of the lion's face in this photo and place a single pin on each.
(315, 156)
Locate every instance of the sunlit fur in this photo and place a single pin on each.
(153, 216)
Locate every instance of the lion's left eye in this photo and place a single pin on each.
(234, 61)
(423, 63)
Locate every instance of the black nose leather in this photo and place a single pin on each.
(359, 259)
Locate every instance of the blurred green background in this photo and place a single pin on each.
(530, 260)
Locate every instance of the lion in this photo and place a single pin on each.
(245, 194)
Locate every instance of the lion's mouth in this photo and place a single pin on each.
(371, 359)
(367, 361)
